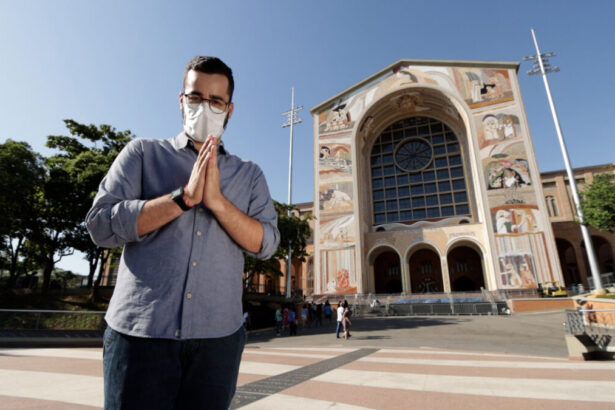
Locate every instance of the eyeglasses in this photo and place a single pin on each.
(216, 105)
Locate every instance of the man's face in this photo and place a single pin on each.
(211, 86)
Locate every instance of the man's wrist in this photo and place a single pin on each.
(178, 196)
(218, 205)
(187, 199)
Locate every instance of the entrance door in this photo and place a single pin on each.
(465, 269)
(387, 273)
(425, 272)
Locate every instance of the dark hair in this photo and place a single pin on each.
(211, 65)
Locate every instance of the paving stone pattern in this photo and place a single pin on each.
(252, 392)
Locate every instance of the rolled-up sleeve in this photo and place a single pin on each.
(112, 220)
(261, 208)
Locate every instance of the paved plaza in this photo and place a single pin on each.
(447, 362)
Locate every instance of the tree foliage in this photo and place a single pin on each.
(598, 203)
(80, 168)
(45, 200)
(21, 177)
(294, 232)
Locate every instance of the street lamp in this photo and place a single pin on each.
(542, 66)
(291, 120)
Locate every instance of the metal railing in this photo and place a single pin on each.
(22, 319)
(590, 321)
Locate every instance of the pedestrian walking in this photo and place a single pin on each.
(292, 322)
(328, 312)
(304, 315)
(285, 316)
(346, 320)
(278, 321)
(340, 317)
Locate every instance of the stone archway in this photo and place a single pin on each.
(604, 255)
(387, 272)
(568, 261)
(465, 269)
(425, 272)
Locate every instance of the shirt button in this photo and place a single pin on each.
(198, 233)
(194, 263)
(177, 333)
(188, 295)
(200, 209)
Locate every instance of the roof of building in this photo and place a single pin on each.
(447, 63)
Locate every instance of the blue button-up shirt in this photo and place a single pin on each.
(183, 280)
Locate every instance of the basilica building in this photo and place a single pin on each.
(426, 181)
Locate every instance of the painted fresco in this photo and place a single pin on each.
(495, 128)
(517, 271)
(338, 269)
(483, 87)
(335, 198)
(515, 219)
(342, 114)
(507, 167)
(523, 260)
(334, 162)
(337, 232)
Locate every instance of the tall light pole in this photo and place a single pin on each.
(291, 120)
(542, 66)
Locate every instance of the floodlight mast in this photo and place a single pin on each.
(542, 66)
(290, 122)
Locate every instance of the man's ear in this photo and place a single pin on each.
(231, 107)
(181, 100)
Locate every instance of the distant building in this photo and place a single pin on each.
(568, 239)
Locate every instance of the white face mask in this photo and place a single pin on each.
(200, 122)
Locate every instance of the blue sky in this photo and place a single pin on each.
(121, 63)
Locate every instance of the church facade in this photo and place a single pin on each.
(426, 181)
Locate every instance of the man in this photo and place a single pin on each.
(340, 317)
(292, 322)
(278, 321)
(185, 211)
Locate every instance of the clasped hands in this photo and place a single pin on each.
(204, 183)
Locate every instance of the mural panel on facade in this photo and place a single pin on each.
(523, 260)
(337, 232)
(481, 87)
(519, 218)
(517, 271)
(335, 197)
(507, 166)
(494, 128)
(339, 271)
(334, 161)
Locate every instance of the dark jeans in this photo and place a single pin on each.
(143, 373)
(338, 329)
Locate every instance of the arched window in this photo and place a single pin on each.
(551, 205)
(417, 173)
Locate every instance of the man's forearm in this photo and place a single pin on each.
(156, 213)
(247, 232)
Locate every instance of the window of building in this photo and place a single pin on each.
(417, 173)
(551, 205)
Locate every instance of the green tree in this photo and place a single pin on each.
(21, 178)
(598, 203)
(294, 231)
(75, 173)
